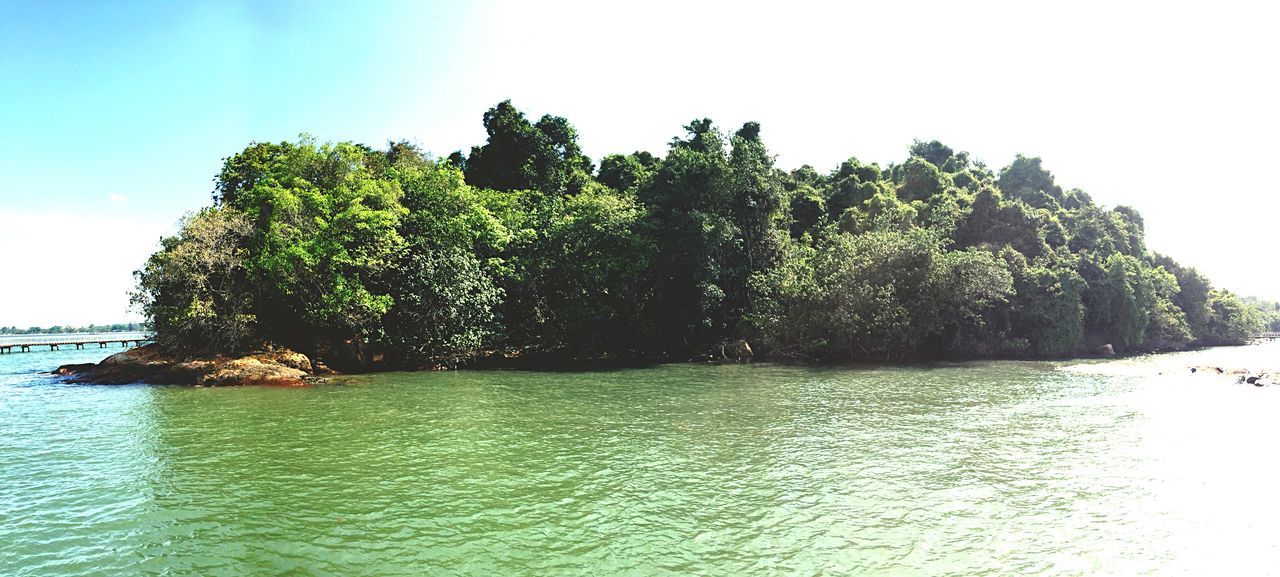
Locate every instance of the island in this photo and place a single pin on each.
(318, 257)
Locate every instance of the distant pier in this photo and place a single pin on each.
(1266, 336)
(56, 343)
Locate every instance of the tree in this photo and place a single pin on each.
(445, 306)
(588, 271)
(758, 210)
(694, 231)
(445, 283)
(627, 172)
(1026, 180)
(1048, 311)
(921, 180)
(1231, 322)
(325, 229)
(936, 153)
(519, 155)
(196, 290)
(522, 245)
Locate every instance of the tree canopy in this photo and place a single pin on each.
(350, 252)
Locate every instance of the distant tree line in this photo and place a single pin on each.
(525, 244)
(61, 329)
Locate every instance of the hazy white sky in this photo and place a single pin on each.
(113, 120)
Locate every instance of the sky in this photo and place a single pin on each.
(114, 117)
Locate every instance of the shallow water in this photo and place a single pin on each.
(1032, 468)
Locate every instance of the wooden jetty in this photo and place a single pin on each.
(55, 344)
(1266, 336)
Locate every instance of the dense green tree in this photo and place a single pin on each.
(995, 222)
(588, 270)
(1231, 322)
(444, 287)
(196, 290)
(520, 155)
(936, 153)
(758, 211)
(1026, 180)
(921, 180)
(627, 172)
(694, 232)
(325, 229)
(1048, 312)
(521, 246)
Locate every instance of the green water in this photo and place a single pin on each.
(971, 469)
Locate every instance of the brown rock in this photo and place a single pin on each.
(72, 369)
(147, 364)
(253, 371)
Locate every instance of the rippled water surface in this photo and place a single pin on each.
(1120, 468)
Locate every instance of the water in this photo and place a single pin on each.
(1022, 468)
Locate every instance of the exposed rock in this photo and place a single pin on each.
(72, 369)
(253, 371)
(288, 358)
(147, 364)
(1107, 350)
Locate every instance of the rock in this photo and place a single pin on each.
(1252, 380)
(147, 364)
(72, 369)
(292, 359)
(253, 371)
(1107, 350)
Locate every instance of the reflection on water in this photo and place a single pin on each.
(1126, 467)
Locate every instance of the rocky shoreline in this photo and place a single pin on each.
(147, 364)
(282, 367)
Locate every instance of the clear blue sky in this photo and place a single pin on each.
(114, 117)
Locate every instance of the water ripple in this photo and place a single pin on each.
(972, 469)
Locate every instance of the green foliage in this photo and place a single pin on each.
(627, 172)
(521, 155)
(921, 180)
(1167, 326)
(445, 305)
(1231, 321)
(196, 290)
(1027, 181)
(1048, 314)
(518, 245)
(995, 222)
(887, 294)
(444, 286)
(587, 272)
(1268, 311)
(325, 228)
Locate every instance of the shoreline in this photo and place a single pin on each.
(274, 366)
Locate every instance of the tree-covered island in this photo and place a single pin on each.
(524, 246)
